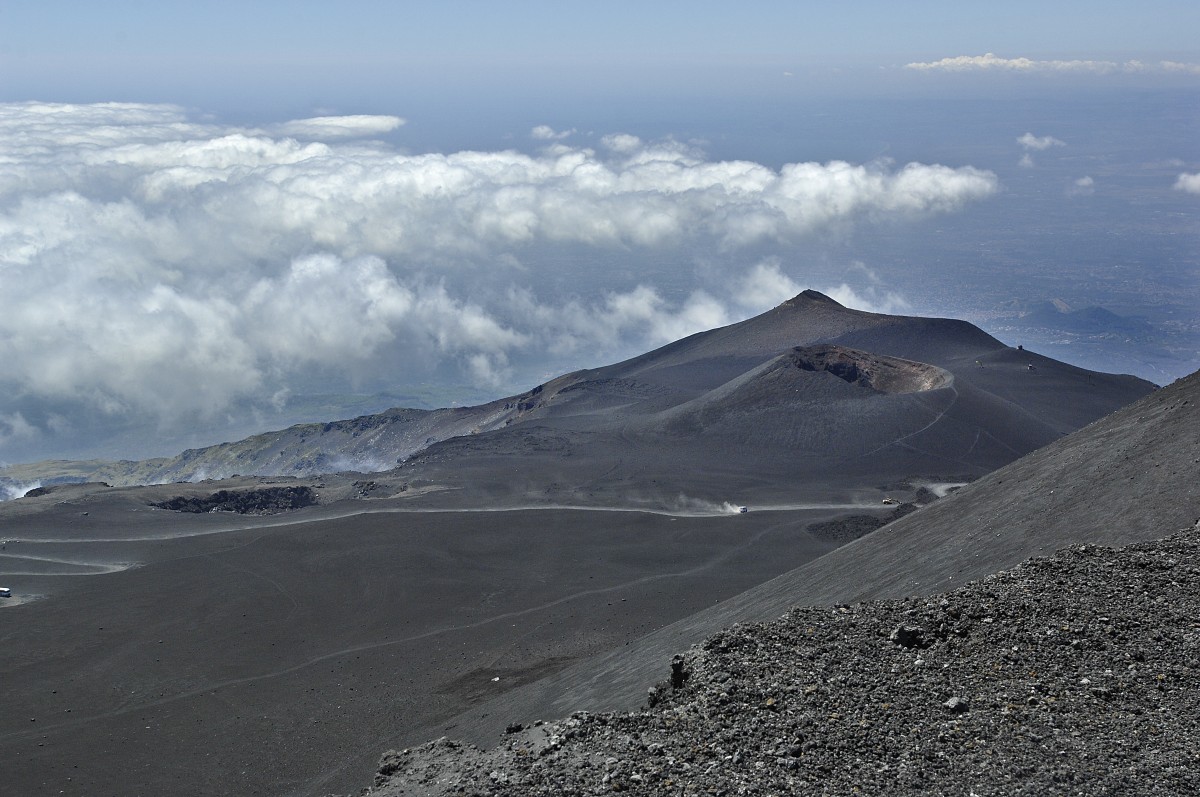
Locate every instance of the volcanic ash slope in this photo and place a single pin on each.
(1072, 674)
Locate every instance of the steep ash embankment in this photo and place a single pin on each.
(1074, 674)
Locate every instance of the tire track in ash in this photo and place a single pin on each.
(85, 568)
(900, 440)
(392, 510)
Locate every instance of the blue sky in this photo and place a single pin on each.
(219, 218)
(698, 31)
(292, 53)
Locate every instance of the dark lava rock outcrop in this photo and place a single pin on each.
(263, 501)
(1073, 674)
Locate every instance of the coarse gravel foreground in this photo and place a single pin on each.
(1073, 674)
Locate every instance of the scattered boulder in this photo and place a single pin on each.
(907, 636)
(679, 675)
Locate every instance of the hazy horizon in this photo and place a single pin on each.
(215, 223)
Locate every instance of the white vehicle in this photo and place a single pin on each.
(5, 592)
(743, 510)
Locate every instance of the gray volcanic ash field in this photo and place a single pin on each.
(546, 553)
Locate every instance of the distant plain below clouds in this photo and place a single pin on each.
(159, 265)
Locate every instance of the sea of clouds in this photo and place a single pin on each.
(156, 263)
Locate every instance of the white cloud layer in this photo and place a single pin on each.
(155, 265)
(548, 133)
(327, 127)
(990, 62)
(1084, 186)
(1031, 142)
(1188, 183)
(873, 299)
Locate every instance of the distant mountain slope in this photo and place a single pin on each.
(987, 405)
(1129, 477)
(1058, 315)
(722, 406)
